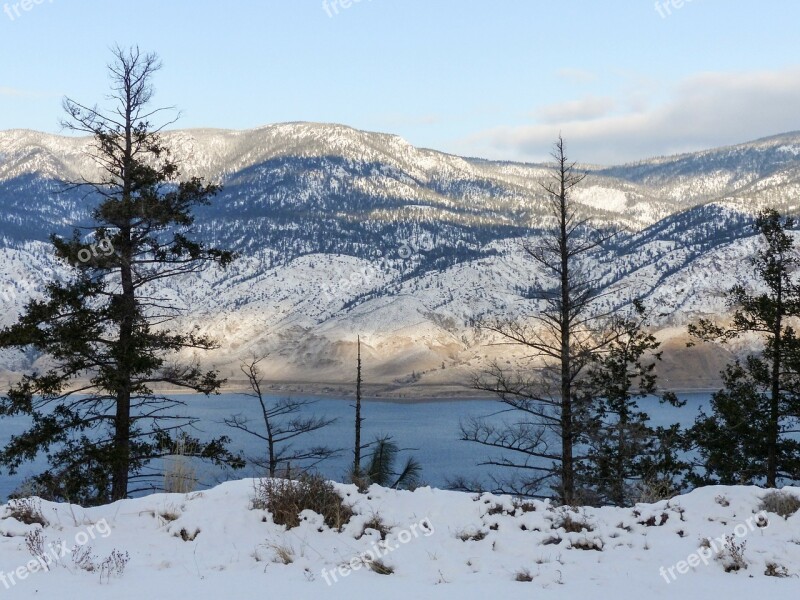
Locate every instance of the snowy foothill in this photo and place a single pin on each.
(430, 543)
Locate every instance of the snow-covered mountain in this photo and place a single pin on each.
(344, 232)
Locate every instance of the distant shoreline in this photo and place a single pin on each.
(413, 396)
(374, 392)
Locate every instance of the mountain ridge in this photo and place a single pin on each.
(344, 232)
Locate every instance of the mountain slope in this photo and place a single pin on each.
(344, 232)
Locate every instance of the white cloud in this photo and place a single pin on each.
(10, 92)
(7, 91)
(703, 111)
(585, 109)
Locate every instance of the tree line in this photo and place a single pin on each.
(573, 424)
(576, 428)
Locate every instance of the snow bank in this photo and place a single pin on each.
(442, 544)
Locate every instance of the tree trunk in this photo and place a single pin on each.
(774, 401)
(567, 434)
(122, 419)
(618, 485)
(357, 449)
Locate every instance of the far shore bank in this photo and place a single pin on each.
(373, 392)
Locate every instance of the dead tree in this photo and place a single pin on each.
(359, 420)
(560, 338)
(282, 424)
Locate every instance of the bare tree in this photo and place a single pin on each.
(560, 338)
(282, 424)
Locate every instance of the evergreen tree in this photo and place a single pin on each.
(747, 437)
(95, 413)
(625, 453)
(381, 467)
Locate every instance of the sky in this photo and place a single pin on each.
(621, 80)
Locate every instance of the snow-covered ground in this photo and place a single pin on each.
(211, 544)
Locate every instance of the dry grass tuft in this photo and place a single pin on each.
(283, 554)
(26, 510)
(473, 535)
(781, 503)
(380, 567)
(180, 476)
(376, 522)
(285, 500)
(523, 575)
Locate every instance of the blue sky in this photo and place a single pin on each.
(621, 79)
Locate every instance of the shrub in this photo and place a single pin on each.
(83, 558)
(285, 500)
(169, 513)
(186, 535)
(523, 575)
(376, 522)
(732, 555)
(776, 570)
(652, 522)
(524, 506)
(180, 476)
(553, 540)
(781, 503)
(114, 564)
(496, 509)
(31, 487)
(26, 510)
(650, 491)
(587, 544)
(283, 554)
(572, 525)
(34, 542)
(474, 535)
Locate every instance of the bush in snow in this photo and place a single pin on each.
(781, 503)
(26, 510)
(732, 555)
(285, 500)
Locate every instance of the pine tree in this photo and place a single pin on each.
(381, 467)
(624, 452)
(105, 330)
(747, 438)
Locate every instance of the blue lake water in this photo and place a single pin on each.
(427, 430)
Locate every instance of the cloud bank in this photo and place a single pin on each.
(703, 111)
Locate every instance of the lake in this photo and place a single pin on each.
(427, 430)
